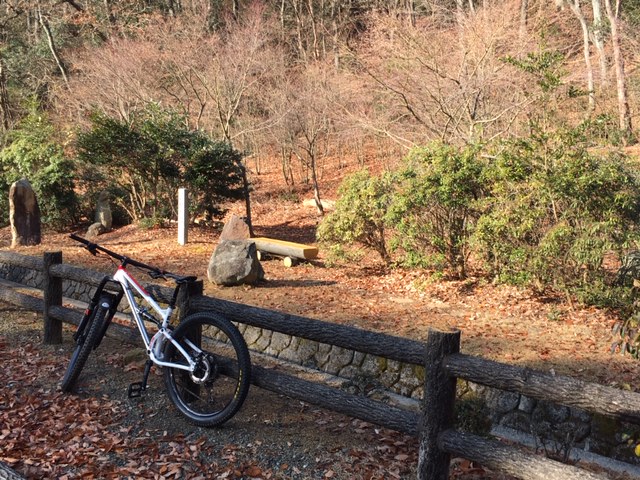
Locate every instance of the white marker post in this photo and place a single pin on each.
(183, 215)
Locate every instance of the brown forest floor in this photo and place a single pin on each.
(498, 322)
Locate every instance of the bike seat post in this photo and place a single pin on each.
(174, 297)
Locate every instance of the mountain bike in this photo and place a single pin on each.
(205, 360)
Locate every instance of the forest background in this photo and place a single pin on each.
(495, 136)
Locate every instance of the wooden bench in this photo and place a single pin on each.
(290, 252)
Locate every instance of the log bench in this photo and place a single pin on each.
(290, 252)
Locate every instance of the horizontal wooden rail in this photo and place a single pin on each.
(388, 346)
(543, 386)
(78, 274)
(508, 459)
(116, 330)
(23, 300)
(25, 261)
(337, 400)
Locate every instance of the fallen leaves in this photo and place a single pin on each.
(45, 433)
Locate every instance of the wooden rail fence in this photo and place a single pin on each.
(440, 356)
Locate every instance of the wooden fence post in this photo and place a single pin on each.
(52, 291)
(437, 405)
(191, 289)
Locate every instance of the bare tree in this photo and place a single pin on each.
(52, 46)
(598, 41)
(524, 17)
(426, 89)
(574, 5)
(621, 81)
(308, 101)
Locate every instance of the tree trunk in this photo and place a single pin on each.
(5, 110)
(109, 11)
(52, 46)
(598, 41)
(621, 82)
(316, 186)
(247, 197)
(524, 7)
(575, 8)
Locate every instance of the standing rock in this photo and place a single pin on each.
(103, 211)
(95, 229)
(24, 214)
(235, 228)
(235, 262)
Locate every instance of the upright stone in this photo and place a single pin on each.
(103, 211)
(24, 214)
(183, 216)
(95, 229)
(236, 228)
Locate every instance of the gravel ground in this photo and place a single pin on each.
(271, 437)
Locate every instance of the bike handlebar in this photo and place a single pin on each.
(153, 272)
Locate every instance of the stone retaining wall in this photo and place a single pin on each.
(556, 429)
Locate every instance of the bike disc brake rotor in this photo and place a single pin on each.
(206, 370)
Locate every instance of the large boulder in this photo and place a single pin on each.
(103, 211)
(235, 262)
(24, 214)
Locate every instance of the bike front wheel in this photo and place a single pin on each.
(87, 339)
(215, 391)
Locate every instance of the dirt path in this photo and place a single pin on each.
(100, 433)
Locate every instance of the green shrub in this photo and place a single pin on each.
(145, 160)
(33, 153)
(435, 207)
(360, 213)
(555, 210)
(214, 173)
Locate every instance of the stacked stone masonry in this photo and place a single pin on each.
(554, 428)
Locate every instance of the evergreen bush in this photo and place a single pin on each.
(34, 153)
(145, 160)
(555, 210)
(436, 206)
(360, 213)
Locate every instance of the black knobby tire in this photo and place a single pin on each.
(213, 400)
(85, 343)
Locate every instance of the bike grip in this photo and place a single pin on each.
(79, 239)
(87, 244)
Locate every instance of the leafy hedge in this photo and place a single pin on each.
(143, 161)
(542, 211)
(34, 152)
(140, 162)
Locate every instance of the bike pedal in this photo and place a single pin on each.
(136, 389)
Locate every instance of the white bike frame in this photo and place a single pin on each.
(155, 344)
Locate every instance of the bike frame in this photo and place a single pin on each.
(154, 344)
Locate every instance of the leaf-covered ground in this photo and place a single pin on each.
(100, 433)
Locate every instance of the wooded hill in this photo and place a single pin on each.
(517, 94)
(492, 131)
(307, 79)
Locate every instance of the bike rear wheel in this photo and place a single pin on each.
(86, 342)
(213, 393)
